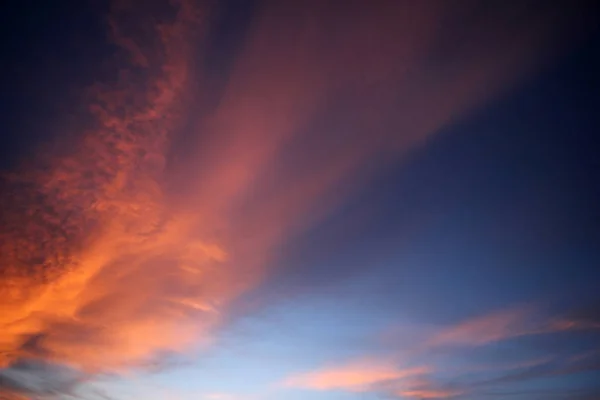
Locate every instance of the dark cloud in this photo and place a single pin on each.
(38, 379)
(586, 315)
(552, 369)
(541, 394)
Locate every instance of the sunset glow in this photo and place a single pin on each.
(263, 200)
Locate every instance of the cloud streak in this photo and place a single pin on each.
(506, 324)
(354, 377)
(375, 376)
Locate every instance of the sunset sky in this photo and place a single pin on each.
(299, 200)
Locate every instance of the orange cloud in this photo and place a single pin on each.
(427, 394)
(376, 376)
(97, 272)
(360, 376)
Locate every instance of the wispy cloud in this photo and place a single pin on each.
(37, 379)
(376, 377)
(358, 376)
(500, 325)
(427, 394)
(506, 324)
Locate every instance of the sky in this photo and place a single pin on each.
(265, 200)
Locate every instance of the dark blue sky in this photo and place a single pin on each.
(509, 192)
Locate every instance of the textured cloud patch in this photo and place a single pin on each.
(96, 272)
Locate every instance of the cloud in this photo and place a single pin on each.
(96, 273)
(422, 386)
(585, 317)
(436, 381)
(550, 369)
(376, 376)
(457, 372)
(506, 324)
(427, 394)
(116, 252)
(356, 377)
(30, 378)
(220, 396)
(488, 328)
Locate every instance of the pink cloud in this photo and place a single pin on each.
(505, 324)
(487, 328)
(356, 377)
(427, 394)
(420, 387)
